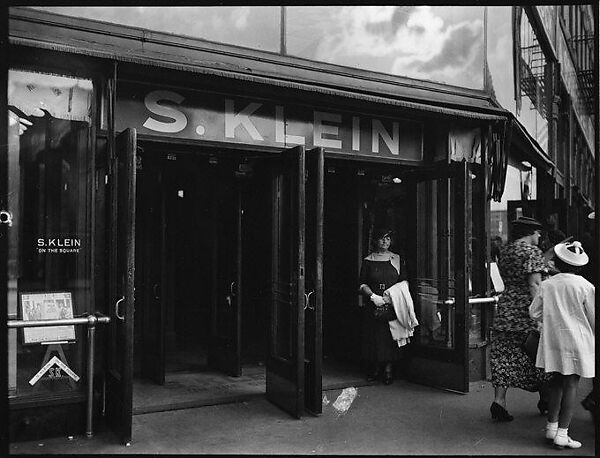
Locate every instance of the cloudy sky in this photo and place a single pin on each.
(443, 44)
(254, 27)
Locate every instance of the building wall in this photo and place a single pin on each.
(569, 141)
(500, 61)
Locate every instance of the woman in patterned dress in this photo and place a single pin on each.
(521, 265)
(380, 270)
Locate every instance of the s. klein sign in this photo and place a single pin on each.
(214, 117)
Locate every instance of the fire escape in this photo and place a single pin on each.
(532, 72)
(582, 47)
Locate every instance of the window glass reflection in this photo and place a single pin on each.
(443, 44)
(49, 199)
(434, 301)
(254, 27)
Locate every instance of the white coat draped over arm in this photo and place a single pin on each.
(402, 328)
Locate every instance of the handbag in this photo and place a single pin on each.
(384, 312)
(530, 344)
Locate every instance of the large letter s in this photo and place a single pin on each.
(151, 102)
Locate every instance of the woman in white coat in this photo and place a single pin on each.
(564, 305)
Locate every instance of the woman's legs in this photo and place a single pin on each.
(563, 393)
(498, 407)
(388, 376)
(500, 395)
(567, 405)
(555, 397)
(542, 404)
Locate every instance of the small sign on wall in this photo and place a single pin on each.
(47, 306)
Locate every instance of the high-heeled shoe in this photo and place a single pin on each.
(542, 406)
(499, 413)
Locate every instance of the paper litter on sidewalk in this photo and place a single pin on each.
(345, 400)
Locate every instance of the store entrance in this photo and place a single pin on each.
(358, 197)
(426, 210)
(202, 276)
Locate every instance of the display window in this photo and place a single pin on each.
(50, 244)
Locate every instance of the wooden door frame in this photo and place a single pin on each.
(314, 209)
(121, 378)
(285, 378)
(459, 355)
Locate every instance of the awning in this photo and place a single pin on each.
(156, 60)
(530, 146)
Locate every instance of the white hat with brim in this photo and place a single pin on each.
(592, 215)
(571, 253)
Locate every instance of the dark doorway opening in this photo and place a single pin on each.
(202, 276)
(358, 197)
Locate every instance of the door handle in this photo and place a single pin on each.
(307, 301)
(475, 300)
(155, 290)
(6, 218)
(120, 317)
(231, 291)
(484, 300)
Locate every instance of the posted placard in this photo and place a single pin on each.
(47, 306)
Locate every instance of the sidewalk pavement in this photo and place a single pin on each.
(400, 419)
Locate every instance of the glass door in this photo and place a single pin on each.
(285, 356)
(439, 354)
(47, 204)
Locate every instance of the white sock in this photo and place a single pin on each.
(553, 426)
(561, 431)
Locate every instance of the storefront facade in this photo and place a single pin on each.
(227, 207)
(551, 97)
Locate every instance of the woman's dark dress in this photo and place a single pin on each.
(378, 345)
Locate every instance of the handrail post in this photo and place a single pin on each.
(90, 375)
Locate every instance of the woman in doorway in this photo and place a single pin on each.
(565, 307)
(521, 265)
(380, 270)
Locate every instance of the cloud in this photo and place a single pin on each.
(388, 26)
(456, 50)
(433, 43)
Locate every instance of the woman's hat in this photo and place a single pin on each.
(381, 232)
(527, 221)
(571, 253)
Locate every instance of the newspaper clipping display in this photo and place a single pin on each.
(47, 306)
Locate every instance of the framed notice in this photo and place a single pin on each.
(47, 306)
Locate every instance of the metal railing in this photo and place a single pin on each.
(451, 302)
(475, 300)
(91, 322)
